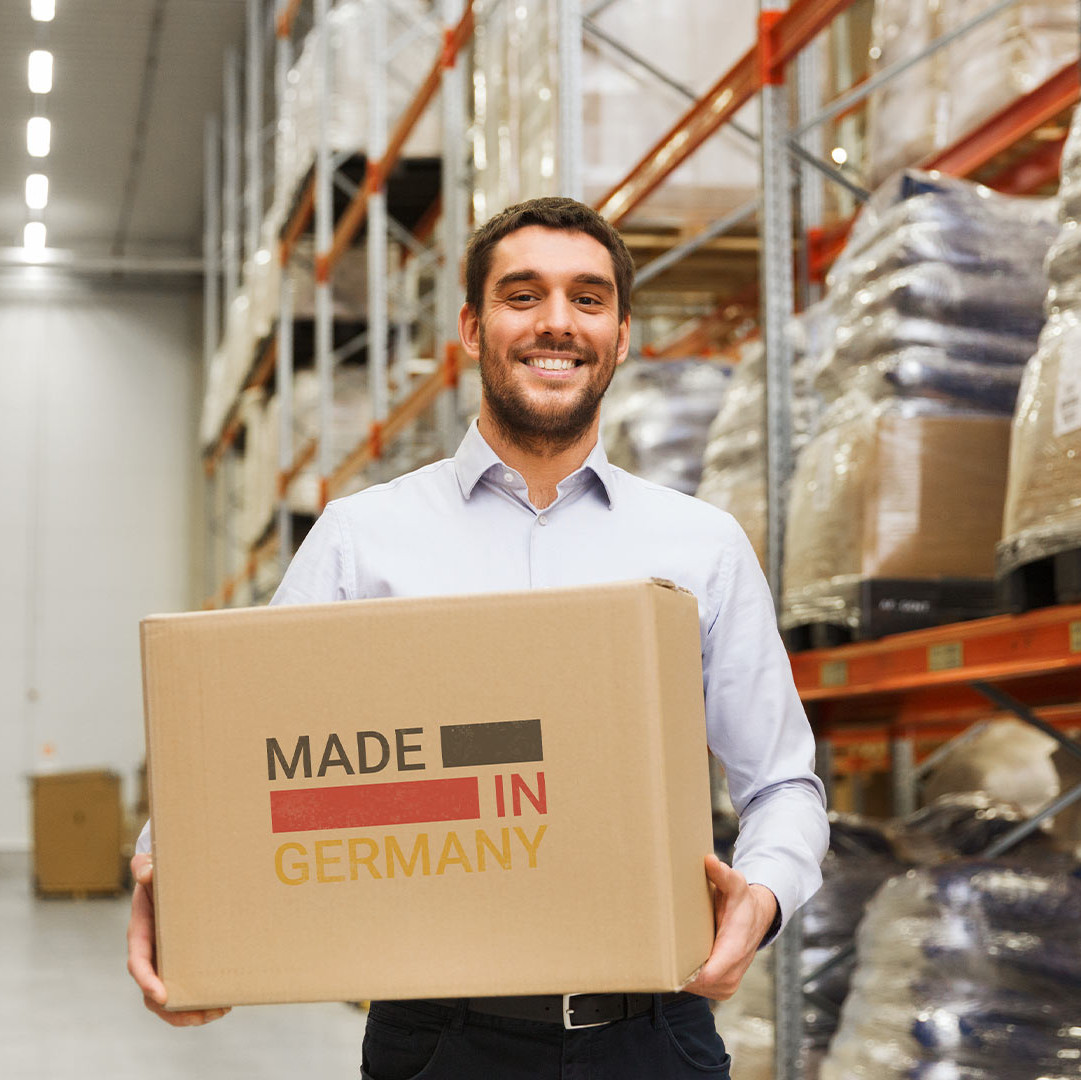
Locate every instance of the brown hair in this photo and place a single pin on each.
(551, 212)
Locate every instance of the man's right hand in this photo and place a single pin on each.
(141, 951)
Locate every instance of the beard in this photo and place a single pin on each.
(530, 422)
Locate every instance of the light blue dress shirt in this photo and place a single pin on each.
(466, 525)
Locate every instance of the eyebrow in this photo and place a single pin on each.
(514, 276)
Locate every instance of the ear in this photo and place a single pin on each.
(469, 331)
(623, 341)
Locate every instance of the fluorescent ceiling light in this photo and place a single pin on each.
(34, 236)
(38, 136)
(39, 72)
(42, 10)
(839, 155)
(37, 191)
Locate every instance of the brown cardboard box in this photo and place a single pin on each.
(77, 832)
(460, 796)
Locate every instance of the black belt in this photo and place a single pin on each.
(570, 1010)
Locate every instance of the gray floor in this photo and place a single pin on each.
(69, 1010)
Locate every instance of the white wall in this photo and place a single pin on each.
(100, 517)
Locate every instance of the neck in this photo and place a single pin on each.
(541, 464)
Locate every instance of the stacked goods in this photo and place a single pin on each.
(734, 470)
(969, 970)
(943, 97)
(895, 503)
(1038, 559)
(298, 120)
(516, 104)
(656, 417)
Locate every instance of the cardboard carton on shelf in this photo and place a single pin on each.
(458, 796)
(77, 832)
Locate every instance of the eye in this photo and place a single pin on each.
(588, 301)
(521, 297)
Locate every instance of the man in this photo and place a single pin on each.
(530, 501)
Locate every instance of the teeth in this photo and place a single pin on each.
(550, 363)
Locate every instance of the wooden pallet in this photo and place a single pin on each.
(895, 605)
(1044, 582)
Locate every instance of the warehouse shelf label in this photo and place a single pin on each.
(833, 673)
(1075, 636)
(944, 657)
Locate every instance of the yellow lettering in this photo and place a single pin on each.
(322, 859)
(502, 856)
(368, 860)
(531, 848)
(420, 851)
(301, 867)
(446, 859)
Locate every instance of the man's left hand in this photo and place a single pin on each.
(742, 914)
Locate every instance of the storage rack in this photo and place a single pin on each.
(1008, 152)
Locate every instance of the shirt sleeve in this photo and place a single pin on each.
(756, 726)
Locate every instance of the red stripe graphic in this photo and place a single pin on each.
(358, 805)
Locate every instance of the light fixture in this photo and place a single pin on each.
(37, 191)
(38, 136)
(42, 10)
(39, 72)
(839, 155)
(34, 236)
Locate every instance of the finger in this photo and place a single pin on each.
(142, 870)
(141, 946)
(724, 878)
(184, 1018)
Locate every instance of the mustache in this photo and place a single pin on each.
(583, 352)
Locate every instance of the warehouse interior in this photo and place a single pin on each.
(231, 244)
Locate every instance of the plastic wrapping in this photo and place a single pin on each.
(656, 416)
(1070, 165)
(516, 104)
(898, 489)
(1043, 494)
(969, 971)
(949, 93)
(347, 25)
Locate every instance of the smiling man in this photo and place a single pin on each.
(531, 501)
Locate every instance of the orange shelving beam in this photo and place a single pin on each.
(779, 42)
(284, 26)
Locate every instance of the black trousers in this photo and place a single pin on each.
(429, 1041)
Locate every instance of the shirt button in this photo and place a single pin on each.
(508, 477)
(543, 519)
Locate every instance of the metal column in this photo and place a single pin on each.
(211, 316)
(378, 120)
(454, 195)
(324, 211)
(811, 182)
(776, 285)
(903, 774)
(231, 187)
(253, 131)
(569, 38)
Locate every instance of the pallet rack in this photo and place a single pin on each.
(1009, 151)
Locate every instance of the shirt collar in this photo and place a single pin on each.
(475, 458)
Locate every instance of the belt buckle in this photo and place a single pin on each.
(568, 1023)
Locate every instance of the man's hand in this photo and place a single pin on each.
(141, 951)
(742, 914)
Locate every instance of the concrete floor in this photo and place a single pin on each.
(69, 1010)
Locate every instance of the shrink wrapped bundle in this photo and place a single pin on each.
(948, 94)
(516, 104)
(972, 971)
(1069, 192)
(656, 417)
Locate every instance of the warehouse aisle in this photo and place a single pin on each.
(72, 1013)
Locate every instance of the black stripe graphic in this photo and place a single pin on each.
(501, 743)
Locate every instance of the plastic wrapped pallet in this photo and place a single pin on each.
(516, 104)
(969, 971)
(948, 94)
(1043, 499)
(907, 490)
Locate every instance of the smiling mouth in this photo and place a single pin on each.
(551, 363)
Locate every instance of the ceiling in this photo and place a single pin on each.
(111, 192)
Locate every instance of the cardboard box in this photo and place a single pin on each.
(460, 796)
(77, 832)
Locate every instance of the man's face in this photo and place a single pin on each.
(548, 337)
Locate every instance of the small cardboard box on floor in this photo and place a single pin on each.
(460, 796)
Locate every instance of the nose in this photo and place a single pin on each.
(555, 316)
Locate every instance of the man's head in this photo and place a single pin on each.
(547, 318)
(551, 212)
